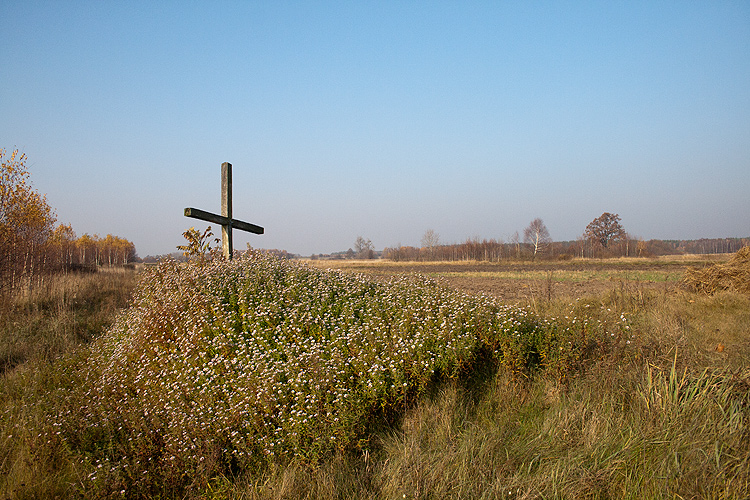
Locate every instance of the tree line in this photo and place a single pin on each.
(32, 246)
(603, 237)
(87, 250)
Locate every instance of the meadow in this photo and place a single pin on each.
(260, 378)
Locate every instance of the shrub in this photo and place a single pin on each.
(231, 366)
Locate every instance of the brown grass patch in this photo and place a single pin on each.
(733, 275)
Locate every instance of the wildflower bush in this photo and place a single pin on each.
(228, 367)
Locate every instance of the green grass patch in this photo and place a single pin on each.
(573, 276)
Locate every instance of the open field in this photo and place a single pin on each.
(590, 379)
(528, 281)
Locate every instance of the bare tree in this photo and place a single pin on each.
(537, 235)
(515, 241)
(430, 241)
(363, 248)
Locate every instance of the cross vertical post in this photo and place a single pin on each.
(226, 209)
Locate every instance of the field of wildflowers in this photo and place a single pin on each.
(229, 367)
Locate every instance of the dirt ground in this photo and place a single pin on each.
(524, 281)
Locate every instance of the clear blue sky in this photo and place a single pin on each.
(382, 119)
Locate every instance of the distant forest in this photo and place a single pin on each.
(493, 250)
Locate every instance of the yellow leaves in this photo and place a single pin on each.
(198, 245)
(26, 222)
(21, 158)
(30, 244)
(22, 209)
(64, 232)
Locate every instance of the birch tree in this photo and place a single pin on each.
(537, 235)
(26, 223)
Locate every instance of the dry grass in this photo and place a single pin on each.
(667, 417)
(733, 275)
(666, 414)
(41, 335)
(523, 282)
(641, 433)
(60, 314)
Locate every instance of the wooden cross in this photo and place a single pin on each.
(225, 219)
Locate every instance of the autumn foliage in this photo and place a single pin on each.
(31, 247)
(26, 223)
(605, 230)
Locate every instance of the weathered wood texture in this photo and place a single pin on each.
(196, 213)
(226, 208)
(225, 219)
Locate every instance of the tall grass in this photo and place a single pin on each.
(251, 364)
(62, 312)
(43, 338)
(265, 379)
(667, 417)
(622, 436)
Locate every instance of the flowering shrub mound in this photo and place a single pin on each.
(233, 365)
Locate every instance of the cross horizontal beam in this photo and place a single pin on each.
(196, 213)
